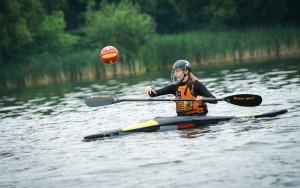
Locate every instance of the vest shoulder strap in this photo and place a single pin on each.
(191, 87)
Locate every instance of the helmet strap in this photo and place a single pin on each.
(179, 82)
(182, 78)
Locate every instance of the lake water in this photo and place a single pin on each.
(42, 130)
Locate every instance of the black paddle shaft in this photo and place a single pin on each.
(247, 100)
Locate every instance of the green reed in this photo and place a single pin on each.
(199, 47)
(211, 47)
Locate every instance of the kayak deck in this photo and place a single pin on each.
(176, 123)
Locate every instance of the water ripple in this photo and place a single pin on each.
(42, 131)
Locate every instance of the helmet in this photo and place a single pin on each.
(182, 64)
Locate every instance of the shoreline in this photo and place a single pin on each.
(89, 73)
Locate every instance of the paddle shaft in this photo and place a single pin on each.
(205, 99)
(240, 100)
(151, 99)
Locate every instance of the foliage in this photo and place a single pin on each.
(19, 25)
(63, 37)
(237, 13)
(191, 12)
(220, 12)
(51, 35)
(209, 47)
(120, 24)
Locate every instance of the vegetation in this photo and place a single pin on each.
(52, 41)
(122, 24)
(236, 45)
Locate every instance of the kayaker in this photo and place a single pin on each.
(185, 86)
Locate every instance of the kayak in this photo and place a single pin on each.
(177, 123)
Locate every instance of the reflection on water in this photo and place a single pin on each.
(194, 133)
(42, 128)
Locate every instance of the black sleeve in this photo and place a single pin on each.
(200, 89)
(170, 89)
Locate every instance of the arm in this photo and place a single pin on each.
(170, 89)
(201, 91)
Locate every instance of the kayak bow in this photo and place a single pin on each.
(176, 123)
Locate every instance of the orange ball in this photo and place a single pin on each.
(109, 55)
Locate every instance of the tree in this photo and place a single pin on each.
(19, 23)
(122, 25)
(191, 12)
(27, 30)
(260, 12)
(51, 36)
(220, 12)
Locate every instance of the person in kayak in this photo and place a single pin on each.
(185, 86)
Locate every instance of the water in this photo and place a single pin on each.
(42, 131)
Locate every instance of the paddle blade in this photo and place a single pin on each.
(248, 100)
(100, 100)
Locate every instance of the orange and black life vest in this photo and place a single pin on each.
(184, 108)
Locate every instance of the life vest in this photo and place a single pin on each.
(188, 107)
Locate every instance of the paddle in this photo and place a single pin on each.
(248, 100)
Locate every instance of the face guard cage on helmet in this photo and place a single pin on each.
(180, 64)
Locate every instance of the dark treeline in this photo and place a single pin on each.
(32, 29)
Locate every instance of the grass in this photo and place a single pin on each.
(200, 48)
(207, 47)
